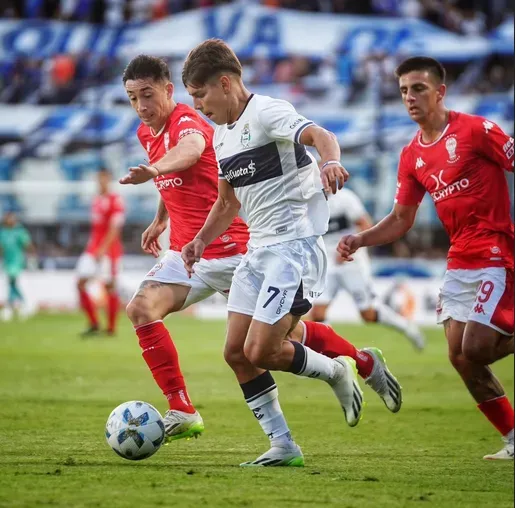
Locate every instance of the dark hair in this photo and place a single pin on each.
(208, 60)
(146, 66)
(105, 171)
(422, 63)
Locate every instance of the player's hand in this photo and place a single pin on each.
(150, 238)
(333, 177)
(139, 174)
(348, 245)
(191, 254)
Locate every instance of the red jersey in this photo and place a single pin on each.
(463, 170)
(106, 210)
(189, 195)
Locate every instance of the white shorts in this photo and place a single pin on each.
(352, 277)
(105, 269)
(211, 275)
(279, 279)
(484, 295)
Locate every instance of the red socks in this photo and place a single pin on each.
(88, 307)
(113, 305)
(500, 413)
(161, 356)
(323, 339)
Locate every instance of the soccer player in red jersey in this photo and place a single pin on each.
(102, 255)
(183, 166)
(460, 160)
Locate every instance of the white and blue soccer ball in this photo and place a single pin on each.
(135, 430)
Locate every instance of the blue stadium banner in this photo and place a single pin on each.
(252, 30)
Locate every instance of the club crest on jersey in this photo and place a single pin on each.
(167, 141)
(245, 136)
(451, 144)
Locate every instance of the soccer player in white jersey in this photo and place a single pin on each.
(349, 216)
(266, 170)
(184, 169)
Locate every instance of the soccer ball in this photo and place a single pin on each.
(135, 430)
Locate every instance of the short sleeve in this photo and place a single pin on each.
(186, 125)
(410, 191)
(220, 174)
(280, 120)
(492, 143)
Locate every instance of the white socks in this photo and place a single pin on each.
(309, 363)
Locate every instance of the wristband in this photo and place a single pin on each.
(331, 162)
(158, 173)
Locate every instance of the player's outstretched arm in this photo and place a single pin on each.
(182, 156)
(333, 174)
(394, 226)
(220, 217)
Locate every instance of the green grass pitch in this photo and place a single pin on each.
(57, 391)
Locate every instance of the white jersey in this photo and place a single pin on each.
(345, 210)
(274, 178)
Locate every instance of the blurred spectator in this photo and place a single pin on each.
(12, 9)
(374, 78)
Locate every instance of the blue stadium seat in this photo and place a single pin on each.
(7, 167)
(9, 203)
(72, 209)
(75, 167)
(140, 209)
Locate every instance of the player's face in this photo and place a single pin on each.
(104, 179)
(10, 220)
(421, 94)
(211, 100)
(151, 100)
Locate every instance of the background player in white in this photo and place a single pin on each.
(348, 216)
(265, 169)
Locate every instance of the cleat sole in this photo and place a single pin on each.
(195, 431)
(295, 462)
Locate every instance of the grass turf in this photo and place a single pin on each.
(57, 391)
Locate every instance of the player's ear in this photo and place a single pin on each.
(225, 83)
(442, 89)
(169, 90)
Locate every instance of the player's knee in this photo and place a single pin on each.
(318, 313)
(140, 311)
(369, 315)
(110, 287)
(259, 354)
(81, 284)
(234, 355)
(457, 359)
